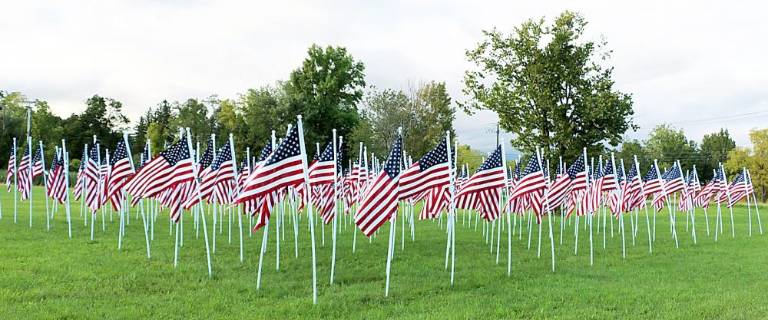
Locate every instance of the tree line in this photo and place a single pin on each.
(328, 89)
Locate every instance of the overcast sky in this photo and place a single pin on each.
(696, 64)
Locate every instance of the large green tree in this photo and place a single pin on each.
(193, 114)
(667, 144)
(425, 113)
(263, 109)
(714, 150)
(549, 86)
(325, 90)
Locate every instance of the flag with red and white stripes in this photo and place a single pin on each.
(92, 179)
(170, 168)
(11, 171)
(57, 180)
(24, 180)
(79, 180)
(120, 172)
(431, 171)
(380, 202)
(223, 169)
(284, 168)
(482, 190)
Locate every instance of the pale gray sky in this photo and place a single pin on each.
(698, 64)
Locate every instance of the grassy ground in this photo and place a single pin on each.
(46, 275)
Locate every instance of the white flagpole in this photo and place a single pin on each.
(65, 171)
(549, 211)
(141, 204)
(265, 233)
(45, 187)
(31, 164)
(15, 180)
(669, 207)
(452, 203)
(88, 209)
(730, 207)
(590, 214)
(239, 215)
(754, 197)
(308, 202)
(690, 201)
(335, 204)
(197, 185)
(213, 204)
(392, 224)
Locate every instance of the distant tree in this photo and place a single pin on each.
(264, 109)
(550, 87)
(668, 144)
(325, 90)
(630, 149)
(193, 114)
(472, 158)
(227, 121)
(433, 113)
(714, 150)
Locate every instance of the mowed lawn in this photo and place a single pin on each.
(46, 275)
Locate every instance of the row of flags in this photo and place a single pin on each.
(179, 182)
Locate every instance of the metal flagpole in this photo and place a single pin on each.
(589, 214)
(239, 215)
(45, 187)
(452, 203)
(308, 195)
(141, 204)
(730, 207)
(65, 171)
(754, 197)
(335, 203)
(265, 233)
(197, 185)
(15, 180)
(690, 202)
(392, 225)
(549, 211)
(669, 207)
(647, 218)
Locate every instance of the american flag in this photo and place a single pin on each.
(223, 167)
(206, 179)
(282, 169)
(269, 180)
(380, 202)
(24, 181)
(79, 181)
(37, 163)
(710, 190)
(652, 182)
(632, 197)
(737, 190)
(687, 196)
(170, 168)
(92, 179)
(578, 174)
(11, 167)
(490, 175)
(532, 179)
(120, 172)
(431, 171)
(481, 190)
(322, 170)
(559, 189)
(609, 177)
(57, 181)
(672, 182)
(579, 199)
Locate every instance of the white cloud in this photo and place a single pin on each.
(682, 61)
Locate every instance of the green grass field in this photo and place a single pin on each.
(46, 275)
